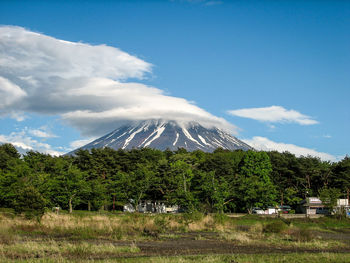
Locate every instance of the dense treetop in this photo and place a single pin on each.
(222, 181)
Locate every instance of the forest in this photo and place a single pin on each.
(222, 181)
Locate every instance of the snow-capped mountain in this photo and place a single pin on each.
(163, 135)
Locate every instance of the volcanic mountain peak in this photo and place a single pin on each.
(162, 134)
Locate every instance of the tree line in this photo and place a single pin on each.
(222, 181)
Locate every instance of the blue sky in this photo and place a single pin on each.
(278, 71)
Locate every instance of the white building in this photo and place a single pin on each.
(313, 205)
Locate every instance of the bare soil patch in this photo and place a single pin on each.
(207, 243)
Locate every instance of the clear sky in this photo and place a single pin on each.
(275, 73)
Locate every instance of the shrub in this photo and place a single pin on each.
(275, 227)
(150, 232)
(161, 222)
(192, 217)
(302, 235)
(117, 233)
(220, 218)
(6, 237)
(29, 201)
(288, 222)
(257, 229)
(243, 228)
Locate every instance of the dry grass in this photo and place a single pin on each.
(291, 237)
(112, 227)
(53, 249)
(75, 227)
(280, 241)
(92, 235)
(241, 237)
(285, 241)
(207, 222)
(27, 240)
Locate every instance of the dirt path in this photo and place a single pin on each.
(344, 235)
(193, 247)
(209, 243)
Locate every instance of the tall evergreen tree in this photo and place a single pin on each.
(253, 183)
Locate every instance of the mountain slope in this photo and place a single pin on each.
(163, 135)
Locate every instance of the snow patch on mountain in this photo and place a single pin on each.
(203, 140)
(132, 136)
(161, 134)
(177, 137)
(158, 132)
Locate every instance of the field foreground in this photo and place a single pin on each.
(108, 237)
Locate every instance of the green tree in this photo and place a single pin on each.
(94, 193)
(329, 197)
(67, 186)
(133, 186)
(9, 157)
(283, 174)
(11, 170)
(9, 181)
(214, 191)
(29, 201)
(341, 176)
(253, 183)
(179, 184)
(313, 174)
(291, 196)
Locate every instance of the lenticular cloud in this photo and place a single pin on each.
(274, 114)
(87, 85)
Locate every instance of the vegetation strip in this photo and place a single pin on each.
(108, 236)
(222, 181)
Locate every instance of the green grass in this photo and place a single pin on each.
(323, 223)
(320, 224)
(239, 258)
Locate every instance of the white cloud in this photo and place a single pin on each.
(36, 56)
(79, 143)
(18, 116)
(9, 93)
(26, 143)
(85, 84)
(264, 144)
(135, 102)
(274, 114)
(40, 133)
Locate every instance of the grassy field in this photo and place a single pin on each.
(255, 258)
(109, 237)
